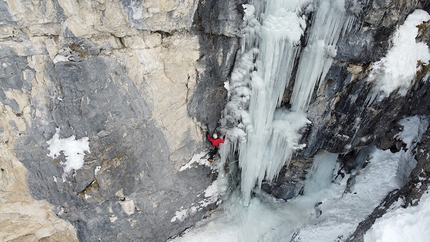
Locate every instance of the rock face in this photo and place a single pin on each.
(219, 23)
(138, 80)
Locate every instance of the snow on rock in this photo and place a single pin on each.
(197, 159)
(410, 224)
(343, 209)
(212, 194)
(398, 69)
(72, 149)
(413, 129)
(60, 58)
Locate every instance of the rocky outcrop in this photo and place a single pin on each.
(343, 114)
(137, 80)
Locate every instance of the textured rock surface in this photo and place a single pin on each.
(136, 78)
(22, 218)
(140, 79)
(220, 31)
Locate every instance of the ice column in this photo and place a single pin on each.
(264, 134)
(317, 57)
(270, 135)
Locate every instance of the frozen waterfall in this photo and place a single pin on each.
(265, 134)
(321, 173)
(328, 22)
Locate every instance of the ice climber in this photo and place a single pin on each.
(215, 141)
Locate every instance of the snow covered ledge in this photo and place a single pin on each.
(398, 69)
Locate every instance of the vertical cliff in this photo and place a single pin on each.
(134, 81)
(103, 101)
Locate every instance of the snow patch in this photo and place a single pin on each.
(73, 150)
(398, 69)
(97, 169)
(413, 129)
(410, 224)
(60, 58)
(197, 159)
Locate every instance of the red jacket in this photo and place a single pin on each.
(215, 142)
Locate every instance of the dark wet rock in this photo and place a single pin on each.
(218, 31)
(291, 180)
(222, 17)
(353, 122)
(210, 96)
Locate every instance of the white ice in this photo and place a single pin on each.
(321, 173)
(270, 45)
(327, 25)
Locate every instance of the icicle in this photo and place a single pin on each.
(265, 135)
(330, 18)
(267, 148)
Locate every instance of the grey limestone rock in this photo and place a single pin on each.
(73, 76)
(219, 40)
(94, 98)
(14, 75)
(4, 13)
